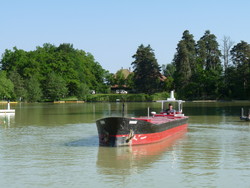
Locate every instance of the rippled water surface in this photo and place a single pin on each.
(56, 145)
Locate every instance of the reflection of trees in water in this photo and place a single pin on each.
(215, 149)
(74, 113)
(215, 108)
(131, 109)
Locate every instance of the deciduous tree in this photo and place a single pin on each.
(6, 87)
(34, 91)
(55, 87)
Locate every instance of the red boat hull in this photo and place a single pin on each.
(120, 131)
(157, 137)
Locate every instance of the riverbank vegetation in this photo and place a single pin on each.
(200, 70)
(142, 97)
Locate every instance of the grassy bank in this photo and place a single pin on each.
(112, 98)
(126, 97)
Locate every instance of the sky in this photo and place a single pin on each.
(112, 30)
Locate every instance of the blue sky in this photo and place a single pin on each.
(112, 30)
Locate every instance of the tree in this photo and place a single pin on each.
(74, 66)
(227, 44)
(120, 78)
(241, 60)
(55, 87)
(6, 86)
(208, 51)
(184, 62)
(183, 73)
(16, 60)
(34, 91)
(168, 72)
(130, 81)
(232, 87)
(19, 85)
(209, 65)
(83, 92)
(146, 70)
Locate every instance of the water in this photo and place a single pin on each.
(56, 145)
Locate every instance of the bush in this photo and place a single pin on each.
(126, 97)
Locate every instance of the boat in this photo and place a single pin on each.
(243, 117)
(127, 131)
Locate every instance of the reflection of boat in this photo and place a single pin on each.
(243, 117)
(128, 159)
(122, 131)
(6, 118)
(8, 110)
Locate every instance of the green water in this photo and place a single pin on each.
(56, 145)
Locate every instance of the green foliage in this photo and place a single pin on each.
(55, 87)
(51, 72)
(208, 52)
(208, 58)
(198, 70)
(123, 79)
(138, 97)
(120, 79)
(34, 92)
(6, 87)
(168, 72)
(232, 83)
(83, 92)
(168, 84)
(130, 81)
(127, 97)
(184, 61)
(159, 96)
(19, 85)
(240, 54)
(146, 70)
(76, 67)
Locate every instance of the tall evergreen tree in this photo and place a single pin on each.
(184, 62)
(209, 65)
(208, 52)
(146, 70)
(241, 60)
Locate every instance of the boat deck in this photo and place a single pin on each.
(159, 119)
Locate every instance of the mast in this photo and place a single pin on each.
(172, 99)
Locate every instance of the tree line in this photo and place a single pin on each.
(199, 70)
(50, 73)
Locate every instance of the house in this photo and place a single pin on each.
(120, 85)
